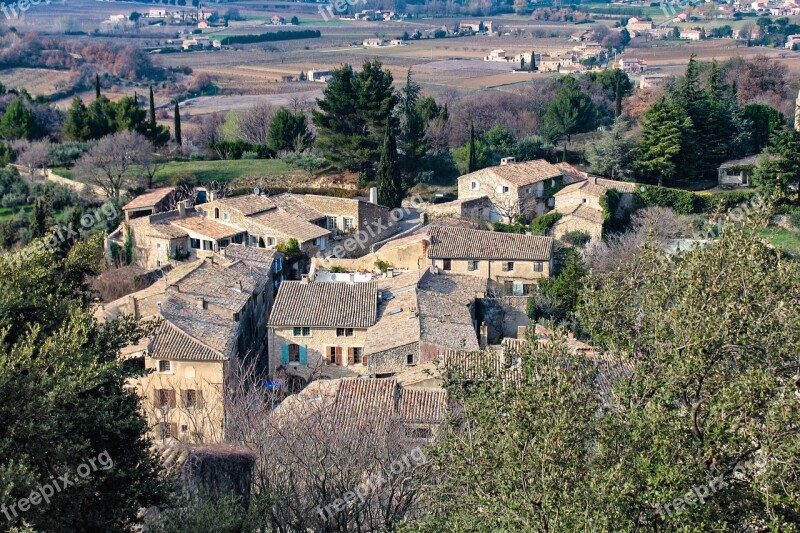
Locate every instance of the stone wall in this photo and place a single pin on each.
(393, 360)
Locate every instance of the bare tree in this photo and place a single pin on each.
(117, 161)
(35, 155)
(253, 124)
(206, 130)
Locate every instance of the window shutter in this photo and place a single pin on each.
(198, 397)
(303, 354)
(351, 356)
(184, 397)
(338, 355)
(156, 399)
(171, 396)
(285, 354)
(364, 359)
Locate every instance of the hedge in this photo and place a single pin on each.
(543, 223)
(687, 202)
(272, 36)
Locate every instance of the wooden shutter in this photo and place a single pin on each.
(173, 430)
(285, 354)
(199, 398)
(364, 359)
(351, 356)
(171, 397)
(303, 354)
(338, 355)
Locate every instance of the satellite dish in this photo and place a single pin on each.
(642, 188)
(256, 191)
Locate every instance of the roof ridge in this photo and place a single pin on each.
(192, 337)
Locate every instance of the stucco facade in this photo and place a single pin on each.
(318, 348)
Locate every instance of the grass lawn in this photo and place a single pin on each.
(787, 240)
(7, 213)
(205, 171)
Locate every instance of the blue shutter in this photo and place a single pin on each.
(285, 354)
(303, 356)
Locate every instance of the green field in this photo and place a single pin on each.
(787, 240)
(7, 213)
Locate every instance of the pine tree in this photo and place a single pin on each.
(178, 139)
(413, 144)
(19, 122)
(522, 63)
(666, 144)
(388, 179)
(97, 86)
(472, 162)
(76, 125)
(39, 216)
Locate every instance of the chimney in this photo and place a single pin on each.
(373, 195)
(352, 277)
(507, 160)
(484, 335)
(212, 196)
(304, 279)
(182, 209)
(132, 305)
(239, 286)
(571, 336)
(425, 244)
(390, 272)
(200, 302)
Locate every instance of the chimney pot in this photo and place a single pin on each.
(373, 195)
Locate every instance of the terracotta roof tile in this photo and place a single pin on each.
(463, 243)
(520, 174)
(206, 227)
(247, 205)
(282, 222)
(325, 304)
(149, 198)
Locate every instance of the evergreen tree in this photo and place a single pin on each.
(413, 144)
(19, 122)
(570, 112)
(129, 117)
(612, 155)
(77, 126)
(39, 216)
(533, 61)
(102, 118)
(778, 168)
(97, 93)
(288, 131)
(153, 125)
(472, 161)
(666, 143)
(618, 99)
(522, 63)
(388, 179)
(178, 138)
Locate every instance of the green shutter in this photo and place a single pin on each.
(303, 356)
(285, 354)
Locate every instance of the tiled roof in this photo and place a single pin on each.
(247, 205)
(445, 323)
(463, 243)
(167, 231)
(627, 187)
(582, 211)
(206, 227)
(149, 198)
(279, 221)
(587, 187)
(224, 285)
(325, 304)
(397, 322)
(170, 342)
(250, 255)
(294, 205)
(208, 328)
(459, 288)
(520, 174)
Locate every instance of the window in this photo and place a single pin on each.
(508, 287)
(238, 239)
(253, 240)
(538, 266)
(226, 217)
(165, 398)
(302, 332)
(330, 222)
(190, 398)
(586, 200)
(447, 264)
(508, 266)
(472, 265)
(348, 223)
(504, 189)
(194, 244)
(344, 332)
(158, 263)
(410, 359)
(224, 242)
(216, 212)
(164, 367)
(517, 288)
(418, 433)
(358, 356)
(475, 186)
(167, 430)
(333, 355)
(294, 353)
(208, 245)
(270, 241)
(158, 245)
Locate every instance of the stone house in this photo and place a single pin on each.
(737, 172)
(513, 262)
(150, 203)
(321, 327)
(580, 205)
(513, 188)
(211, 314)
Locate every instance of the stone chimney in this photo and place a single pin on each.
(304, 279)
(484, 336)
(507, 160)
(132, 305)
(182, 209)
(212, 196)
(373, 195)
(571, 336)
(352, 277)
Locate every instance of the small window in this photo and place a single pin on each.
(166, 430)
(475, 186)
(158, 263)
(418, 433)
(586, 200)
(190, 398)
(358, 356)
(344, 332)
(216, 212)
(447, 264)
(294, 353)
(410, 359)
(158, 245)
(164, 367)
(270, 241)
(226, 217)
(184, 428)
(165, 398)
(224, 242)
(472, 266)
(508, 266)
(208, 245)
(348, 223)
(504, 189)
(538, 266)
(194, 244)
(253, 240)
(302, 332)
(330, 222)
(330, 354)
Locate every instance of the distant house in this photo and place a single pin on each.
(632, 65)
(737, 172)
(638, 26)
(321, 76)
(512, 261)
(683, 17)
(397, 42)
(157, 13)
(202, 25)
(496, 55)
(373, 43)
(691, 35)
(278, 20)
(581, 36)
(205, 14)
(792, 42)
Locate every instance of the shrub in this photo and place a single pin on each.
(682, 202)
(383, 266)
(543, 223)
(576, 238)
(337, 269)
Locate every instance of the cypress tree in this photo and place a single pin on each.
(533, 61)
(152, 114)
(472, 163)
(388, 180)
(97, 85)
(178, 124)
